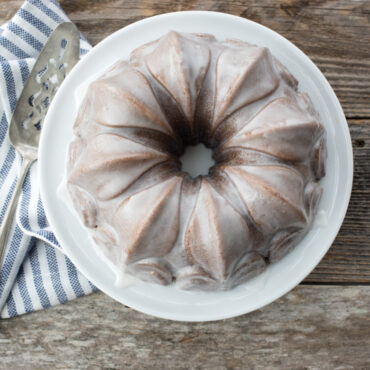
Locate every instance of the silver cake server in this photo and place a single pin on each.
(58, 56)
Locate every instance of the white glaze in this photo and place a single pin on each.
(133, 109)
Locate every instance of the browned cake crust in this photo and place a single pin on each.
(212, 232)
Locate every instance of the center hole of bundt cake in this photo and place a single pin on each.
(197, 160)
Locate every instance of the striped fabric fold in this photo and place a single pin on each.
(36, 274)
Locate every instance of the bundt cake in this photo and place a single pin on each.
(155, 222)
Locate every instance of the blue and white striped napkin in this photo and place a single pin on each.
(36, 274)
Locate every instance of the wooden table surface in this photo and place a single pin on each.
(324, 322)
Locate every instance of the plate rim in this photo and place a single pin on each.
(180, 316)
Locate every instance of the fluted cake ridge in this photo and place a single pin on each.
(213, 232)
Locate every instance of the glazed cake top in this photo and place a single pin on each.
(211, 232)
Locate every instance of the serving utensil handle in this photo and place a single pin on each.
(9, 214)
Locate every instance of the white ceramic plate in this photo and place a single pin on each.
(168, 302)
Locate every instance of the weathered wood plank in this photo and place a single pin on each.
(336, 35)
(348, 260)
(310, 328)
(8, 9)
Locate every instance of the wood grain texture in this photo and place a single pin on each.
(309, 328)
(348, 260)
(312, 327)
(335, 34)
